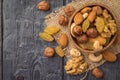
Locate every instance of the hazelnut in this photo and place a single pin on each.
(82, 39)
(92, 32)
(98, 9)
(63, 20)
(49, 52)
(97, 73)
(77, 30)
(43, 5)
(69, 10)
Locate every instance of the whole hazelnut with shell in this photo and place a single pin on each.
(92, 32)
(97, 73)
(49, 52)
(82, 39)
(43, 5)
(69, 10)
(77, 30)
(63, 20)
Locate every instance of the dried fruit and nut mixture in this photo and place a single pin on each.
(93, 27)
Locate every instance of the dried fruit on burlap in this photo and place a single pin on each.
(85, 25)
(109, 56)
(59, 51)
(46, 37)
(100, 24)
(51, 29)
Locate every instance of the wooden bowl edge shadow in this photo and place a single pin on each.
(71, 19)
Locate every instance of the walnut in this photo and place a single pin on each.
(43, 5)
(63, 20)
(49, 52)
(69, 10)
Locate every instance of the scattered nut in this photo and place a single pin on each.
(43, 5)
(63, 40)
(63, 20)
(49, 52)
(109, 56)
(78, 18)
(82, 39)
(97, 73)
(69, 10)
(95, 58)
(92, 32)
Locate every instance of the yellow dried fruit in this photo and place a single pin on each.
(100, 24)
(63, 40)
(78, 18)
(51, 30)
(85, 25)
(59, 51)
(46, 37)
(109, 56)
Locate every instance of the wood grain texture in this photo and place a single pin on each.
(23, 49)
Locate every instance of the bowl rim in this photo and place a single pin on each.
(71, 19)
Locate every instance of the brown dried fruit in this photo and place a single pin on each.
(43, 5)
(69, 10)
(82, 39)
(63, 20)
(98, 9)
(77, 30)
(92, 16)
(97, 73)
(49, 52)
(86, 9)
(59, 51)
(63, 40)
(109, 56)
(78, 18)
(92, 32)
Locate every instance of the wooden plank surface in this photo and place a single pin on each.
(23, 49)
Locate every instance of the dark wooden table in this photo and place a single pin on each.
(22, 50)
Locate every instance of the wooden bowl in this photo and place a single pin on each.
(111, 41)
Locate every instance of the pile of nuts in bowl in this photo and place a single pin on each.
(93, 27)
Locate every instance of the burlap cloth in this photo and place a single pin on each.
(52, 19)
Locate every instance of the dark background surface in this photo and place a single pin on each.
(22, 50)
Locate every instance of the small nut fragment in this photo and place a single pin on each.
(69, 10)
(63, 20)
(82, 39)
(77, 30)
(43, 5)
(95, 58)
(97, 73)
(97, 45)
(78, 18)
(92, 16)
(85, 15)
(63, 40)
(49, 52)
(98, 9)
(71, 29)
(109, 56)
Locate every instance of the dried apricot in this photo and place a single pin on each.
(109, 56)
(51, 30)
(46, 37)
(59, 51)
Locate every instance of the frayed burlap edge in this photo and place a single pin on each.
(52, 19)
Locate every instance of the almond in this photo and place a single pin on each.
(109, 56)
(63, 40)
(78, 18)
(86, 9)
(92, 16)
